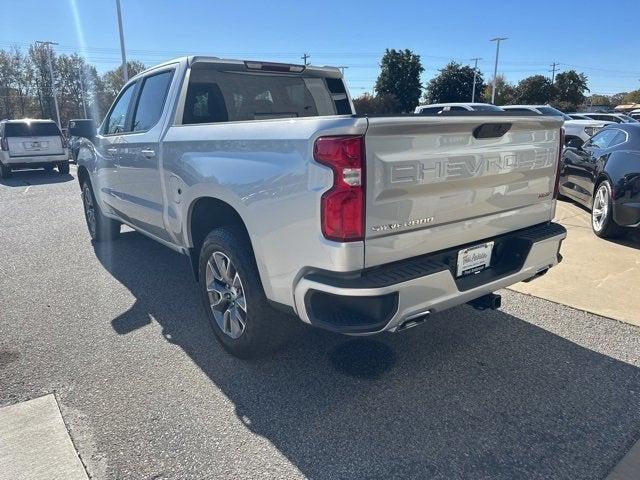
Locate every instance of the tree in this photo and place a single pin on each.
(400, 76)
(533, 90)
(618, 98)
(632, 97)
(505, 92)
(570, 89)
(454, 83)
(368, 104)
(599, 100)
(113, 80)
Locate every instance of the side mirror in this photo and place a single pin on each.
(85, 128)
(575, 143)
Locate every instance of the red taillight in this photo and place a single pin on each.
(556, 186)
(343, 205)
(4, 145)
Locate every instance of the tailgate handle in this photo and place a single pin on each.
(491, 130)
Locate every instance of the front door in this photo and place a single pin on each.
(140, 188)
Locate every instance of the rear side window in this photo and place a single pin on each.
(118, 116)
(151, 101)
(604, 138)
(620, 137)
(430, 110)
(216, 96)
(31, 129)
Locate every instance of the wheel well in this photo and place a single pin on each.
(206, 214)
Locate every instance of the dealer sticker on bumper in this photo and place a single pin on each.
(474, 259)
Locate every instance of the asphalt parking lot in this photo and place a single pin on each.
(535, 390)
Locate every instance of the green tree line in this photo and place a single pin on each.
(25, 85)
(398, 88)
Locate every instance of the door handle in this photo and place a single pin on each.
(112, 151)
(147, 152)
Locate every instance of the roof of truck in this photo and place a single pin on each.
(191, 59)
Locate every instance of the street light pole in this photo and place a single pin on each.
(475, 74)
(125, 71)
(53, 83)
(495, 68)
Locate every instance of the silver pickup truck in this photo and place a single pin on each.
(288, 203)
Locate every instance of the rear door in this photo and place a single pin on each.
(140, 188)
(33, 139)
(435, 182)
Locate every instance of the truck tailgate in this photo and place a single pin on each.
(438, 182)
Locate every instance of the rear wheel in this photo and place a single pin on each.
(602, 221)
(63, 168)
(5, 171)
(237, 308)
(100, 228)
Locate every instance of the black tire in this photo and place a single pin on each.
(63, 168)
(102, 229)
(265, 329)
(602, 222)
(5, 171)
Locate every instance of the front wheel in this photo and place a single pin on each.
(602, 222)
(100, 228)
(237, 308)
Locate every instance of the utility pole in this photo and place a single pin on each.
(342, 67)
(125, 70)
(475, 74)
(304, 57)
(84, 103)
(53, 83)
(553, 71)
(495, 68)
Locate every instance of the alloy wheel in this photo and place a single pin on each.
(226, 295)
(600, 209)
(89, 210)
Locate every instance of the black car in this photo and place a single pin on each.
(604, 175)
(74, 142)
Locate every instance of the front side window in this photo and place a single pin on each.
(216, 96)
(118, 116)
(151, 101)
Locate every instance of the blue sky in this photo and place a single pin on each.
(594, 37)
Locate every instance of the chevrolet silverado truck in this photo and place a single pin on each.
(287, 202)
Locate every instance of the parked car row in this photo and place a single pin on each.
(34, 143)
(607, 117)
(600, 164)
(577, 131)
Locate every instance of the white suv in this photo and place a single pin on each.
(576, 131)
(31, 143)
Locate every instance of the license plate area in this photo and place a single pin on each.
(474, 259)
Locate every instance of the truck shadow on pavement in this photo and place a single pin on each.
(25, 178)
(467, 395)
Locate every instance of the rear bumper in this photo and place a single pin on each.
(34, 161)
(385, 297)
